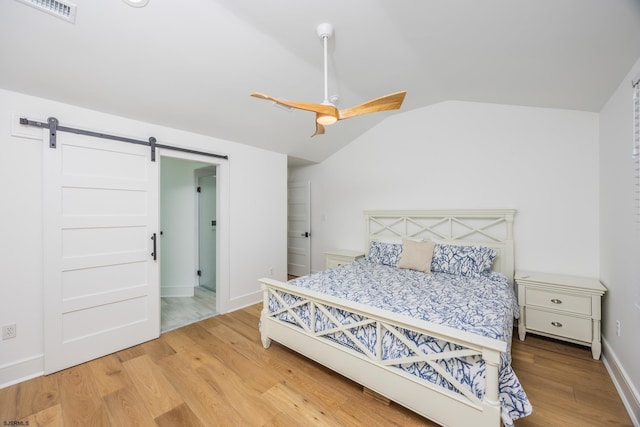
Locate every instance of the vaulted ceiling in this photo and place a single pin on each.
(191, 64)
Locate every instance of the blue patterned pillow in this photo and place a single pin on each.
(462, 260)
(385, 253)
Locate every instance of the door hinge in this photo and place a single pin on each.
(199, 273)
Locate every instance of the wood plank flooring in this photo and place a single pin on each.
(215, 372)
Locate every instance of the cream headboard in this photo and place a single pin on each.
(491, 227)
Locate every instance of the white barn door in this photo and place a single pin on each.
(101, 282)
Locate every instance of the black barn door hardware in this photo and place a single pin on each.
(154, 254)
(54, 127)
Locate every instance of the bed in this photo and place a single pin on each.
(436, 342)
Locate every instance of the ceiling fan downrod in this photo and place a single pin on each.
(325, 31)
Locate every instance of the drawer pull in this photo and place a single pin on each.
(556, 324)
(556, 301)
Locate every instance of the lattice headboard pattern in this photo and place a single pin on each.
(492, 228)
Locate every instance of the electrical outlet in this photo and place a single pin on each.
(9, 331)
(618, 324)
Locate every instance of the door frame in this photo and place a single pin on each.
(223, 241)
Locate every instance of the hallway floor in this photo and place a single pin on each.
(181, 311)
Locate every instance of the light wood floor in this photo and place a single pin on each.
(215, 372)
(180, 311)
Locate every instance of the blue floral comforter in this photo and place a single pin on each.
(484, 305)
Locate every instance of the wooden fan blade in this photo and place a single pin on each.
(319, 128)
(308, 106)
(393, 101)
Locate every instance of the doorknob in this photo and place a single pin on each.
(306, 234)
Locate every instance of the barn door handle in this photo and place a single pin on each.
(153, 254)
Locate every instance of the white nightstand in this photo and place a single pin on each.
(336, 257)
(562, 307)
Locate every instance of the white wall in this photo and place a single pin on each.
(256, 192)
(620, 242)
(542, 162)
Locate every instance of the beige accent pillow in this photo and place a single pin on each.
(416, 255)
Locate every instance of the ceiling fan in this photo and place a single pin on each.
(326, 112)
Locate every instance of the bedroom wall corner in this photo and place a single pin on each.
(620, 241)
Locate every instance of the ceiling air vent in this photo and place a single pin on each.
(61, 9)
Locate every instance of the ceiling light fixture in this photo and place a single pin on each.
(136, 3)
(325, 119)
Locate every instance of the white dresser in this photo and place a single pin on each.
(336, 257)
(563, 307)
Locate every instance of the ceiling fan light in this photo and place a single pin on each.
(326, 119)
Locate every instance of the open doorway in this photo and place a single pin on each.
(188, 240)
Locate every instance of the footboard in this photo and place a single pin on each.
(373, 367)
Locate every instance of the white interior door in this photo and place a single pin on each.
(207, 231)
(101, 282)
(299, 228)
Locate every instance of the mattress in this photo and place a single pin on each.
(484, 305)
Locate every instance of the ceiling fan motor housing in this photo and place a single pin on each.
(325, 30)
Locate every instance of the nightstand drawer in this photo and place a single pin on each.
(559, 324)
(558, 301)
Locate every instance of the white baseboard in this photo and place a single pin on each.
(22, 370)
(176, 291)
(628, 393)
(245, 301)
